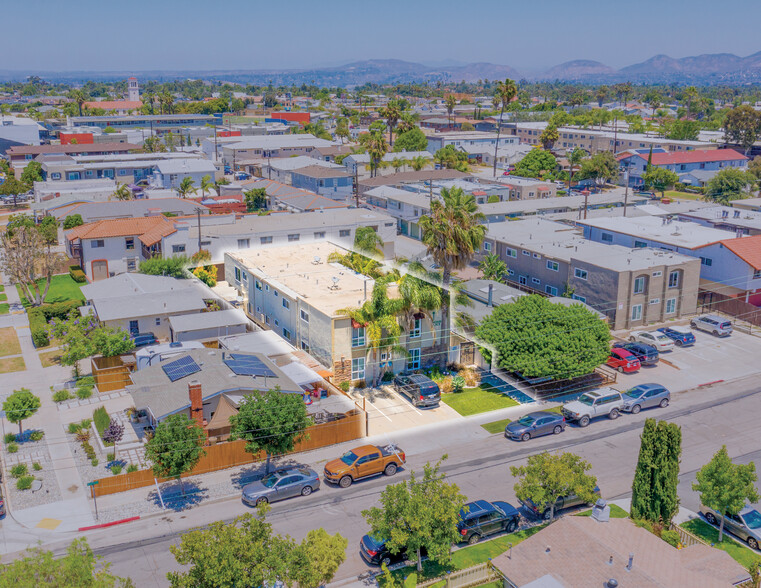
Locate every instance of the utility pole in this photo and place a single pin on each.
(615, 134)
(198, 216)
(626, 191)
(356, 185)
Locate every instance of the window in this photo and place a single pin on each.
(266, 287)
(553, 265)
(266, 319)
(510, 272)
(131, 264)
(637, 312)
(305, 345)
(413, 361)
(129, 243)
(286, 334)
(657, 274)
(158, 321)
(277, 323)
(655, 301)
(244, 243)
(706, 261)
(639, 243)
(671, 306)
(237, 274)
(319, 234)
(134, 327)
(525, 252)
(551, 290)
(358, 336)
(580, 273)
(537, 256)
(487, 246)
(639, 285)
(97, 243)
(304, 316)
(606, 237)
(274, 293)
(511, 252)
(258, 285)
(756, 274)
(535, 281)
(673, 279)
(358, 368)
(265, 240)
(416, 328)
(286, 304)
(346, 233)
(178, 248)
(294, 237)
(579, 298)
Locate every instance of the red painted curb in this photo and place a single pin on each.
(710, 383)
(111, 524)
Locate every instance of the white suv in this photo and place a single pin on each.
(603, 402)
(711, 323)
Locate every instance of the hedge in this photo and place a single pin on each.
(39, 316)
(77, 274)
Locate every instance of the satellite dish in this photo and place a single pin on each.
(317, 259)
(335, 280)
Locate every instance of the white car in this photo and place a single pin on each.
(658, 340)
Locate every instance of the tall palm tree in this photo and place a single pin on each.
(392, 112)
(122, 192)
(574, 158)
(168, 101)
(493, 268)
(503, 95)
(421, 294)
(368, 242)
(450, 101)
(206, 185)
(452, 233)
(376, 148)
(186, 187)
(79, 97)
(150, 98)
(418, 162)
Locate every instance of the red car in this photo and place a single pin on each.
(623, 360)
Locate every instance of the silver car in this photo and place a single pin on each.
(645, 396)
(281, 484)
(718, 326)
(746, 524)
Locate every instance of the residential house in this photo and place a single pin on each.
(732, 269)
(20, 155)
(410, 177)
(507, 156)
(280, 169)
(19, 130)
(681, 163)
(330, 153)
(285, 197)
(727, 218)
(747, 204)
(52, 194)
(359, 163)
(336, 184)
(171, 172)
(95, 211)
(233, 149)
(405, 206)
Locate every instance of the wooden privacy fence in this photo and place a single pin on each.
(475, 576)
(110, 373)
(232, 453)
(734, 307)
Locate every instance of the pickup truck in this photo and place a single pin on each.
(363, 462)
(603, 402)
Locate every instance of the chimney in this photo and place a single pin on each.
(196, 402)
(491, 295)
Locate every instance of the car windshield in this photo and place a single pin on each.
(725, 325)
(663, 338)
(269, 480)
(588, 400)
(349, 458)
(526, 421)
(752, 519)
(633, 393)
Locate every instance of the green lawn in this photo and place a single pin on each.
(2, 288)
(741, 554)
(476, 400)
(5, 308)
(682, 195)
(616, 512)
(62, 288)
(497, 426)
(3, 297)
(558, 409)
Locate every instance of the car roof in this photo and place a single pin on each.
(364, 450)
(479, 506)
(713, 317)
(649, 386)
(421, 379)
(544, 413)
(622, 352)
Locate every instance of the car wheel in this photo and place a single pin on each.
(694, 325)
(584, 421)
(710, 518)
(636, 408)
(678, 343)
(525, 437)
(632, 339)
(664, 403)
(557, 430)
(715, 333)
(345, 482)
(390, 469)
(306, 490)
(752, 543)
(473, 539)
(261, 500)
(620, 369)
(511, 526)
(613, 414)
(546, 515)
(386, 561)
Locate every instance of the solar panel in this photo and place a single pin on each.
(248, 365)
(180, 368)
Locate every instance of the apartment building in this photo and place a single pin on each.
(20, 155)
(633, 287)
(235, 149)
(463, 139)
(154, 121)
(336, 184)
(683, 164)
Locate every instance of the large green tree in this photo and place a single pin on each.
(256, 199)
(27, 258)
(451, 158)
(536, 164)
(548, 476)
(317, 558)
(659, 178)
(654, 489)
(174, 267)
(537, 338)
(176, 447)
(601, 167)
(504, 93)
(19, 406)
(271, 421)
(32, 173)
(493, 268)
(729, 184)
(411, 140)
(549, 136)
(725, 486)
(420, 513)
(742, 126)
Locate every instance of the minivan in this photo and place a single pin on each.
(421, 390)
(711, 323)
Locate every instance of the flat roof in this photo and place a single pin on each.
(207, 320)
(537, 205)
(726, 214)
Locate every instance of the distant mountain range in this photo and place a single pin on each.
(709, 69)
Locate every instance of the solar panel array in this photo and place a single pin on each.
(248, 365)
(180, 368)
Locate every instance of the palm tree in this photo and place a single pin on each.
(122, 192)
(398, 163)
(453, 233)
(186, 187)
(79, 97)
(368, 242)
(392, 112)
(206, 185)
(493, 268)
(450, 101)
(150, 97)
(574, 159)
(376, 148)
(166, 100)
(503, 95)
(601, 94)
(421, 294)
(418, 162)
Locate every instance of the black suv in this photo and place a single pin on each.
(421, 390)
(482, 518)
(375, 552)
(647, 354)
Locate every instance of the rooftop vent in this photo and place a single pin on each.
(335, 283)
(601, 512)
(612, 583)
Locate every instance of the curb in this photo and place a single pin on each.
(111, 524)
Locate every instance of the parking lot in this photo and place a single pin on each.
(710, 359)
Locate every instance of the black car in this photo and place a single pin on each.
(375, 552)
(482, 518)
(421, 390)
(535, 424)
(647, 354)
(562, 502)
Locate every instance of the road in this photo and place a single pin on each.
(711, 417)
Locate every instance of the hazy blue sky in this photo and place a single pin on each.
(237, 34)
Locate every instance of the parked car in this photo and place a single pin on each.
(746, 524)
(375, 552)
(623, 360)
(281, 484)
(720, 327)
(645, 396)
(654, 338)
(682, 336)
(144, 339)
(646, 354)
(535, 424)
(603, 402)
(561, 503)
(482, 518)
(363, 462)
(420, 389)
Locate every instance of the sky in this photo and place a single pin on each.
(143, 35)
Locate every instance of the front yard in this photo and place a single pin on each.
(743, 555)
(483, 398)
(9, 343)
(62, 289)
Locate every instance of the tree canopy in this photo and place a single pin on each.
(19, 406)
(536, 338)
(256, 199)
(172, 266)
(742, 125)
(601, 167)
(175, 447)
(729, 184)
(411, 140)
(659, 178)
(536, 164)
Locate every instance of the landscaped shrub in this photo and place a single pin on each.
(359, 384)
(116, 469)
(132, 468)
(85, 424)
(9, 438)
(458, 383)
(111, 456)
(345, 386)
(86, 381)
(74, 428)
(19, 470)
(36, 466)
(387, 377)
(671, 537)
(38, 327)
(83, 435)
(77, 274)
(61, 396)
(94, 462)
(84, 392)
(36, 435)
(89, 451)
(24, 483)
(101, 418)
(472, 378)
(12, 448)
(114, 432)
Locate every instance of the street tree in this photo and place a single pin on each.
(493, 268)
(27, 259)
(316, 559)
(176, 446)
(742, 126)
(503, 95)
(271, 421)
(420, 513)
(12, 187)
(186, 187)
(548, 476)
(660, 179)
(539, 339)
(79, 567)
(725, 486)
(729, 184)
(536, 164)
(575, 158)
(19, 406)
(654, 489)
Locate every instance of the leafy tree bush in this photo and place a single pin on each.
(729, 184)
(601, 167)
(536, 164)
(659, 179)
(36, 466)
(25, 482)
(19, 470)
(19, 406)
(71, 221)
(36, 435)
(132, 468)
(256, 199)
(61, 395)
(116, 469)
(172, 267)
(84, 392)
(9, 438)
(411, 140)
(77, 274)
(111, 456)
(94, 462)
(12, 447)
(537, 338)
(175, 447)
(114, 432)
